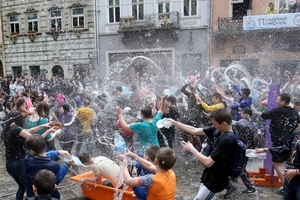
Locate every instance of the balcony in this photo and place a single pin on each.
(260, 22)
(229, 24)
(165, 23)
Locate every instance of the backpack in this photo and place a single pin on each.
(235, 169)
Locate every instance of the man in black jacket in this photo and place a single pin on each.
(284, 120)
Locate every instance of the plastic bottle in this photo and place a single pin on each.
(120, 144)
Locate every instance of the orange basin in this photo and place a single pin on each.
(96, 191)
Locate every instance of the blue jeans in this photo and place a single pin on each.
(88, 141)
(16, 170)
(292, 189)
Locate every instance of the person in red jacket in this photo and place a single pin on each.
(127, 134)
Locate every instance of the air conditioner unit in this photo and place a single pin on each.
(237, 1)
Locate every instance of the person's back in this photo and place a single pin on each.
(103, 167)
(85, 116)
(284, 120)
(147, 131)
(108, 169)
(39, 160)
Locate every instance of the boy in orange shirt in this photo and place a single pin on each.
(161, 185)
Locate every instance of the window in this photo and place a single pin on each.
(190, 7)
(55, 19)
(138, 9)
(35, 71)
(239, 49)
(163, 7)
(32, 20)
(114, 11)
(17, 71)
(14, 24)
(78, 17)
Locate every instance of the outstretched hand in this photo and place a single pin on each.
(187, 146)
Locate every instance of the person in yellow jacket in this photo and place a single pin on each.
(271, 9)
(217, 104)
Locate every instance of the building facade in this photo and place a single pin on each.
(1, 44)
(243, 32)
(48, 38)
(171, 36)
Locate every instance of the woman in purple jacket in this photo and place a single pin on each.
(67, 136)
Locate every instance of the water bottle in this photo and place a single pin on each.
(120, 144)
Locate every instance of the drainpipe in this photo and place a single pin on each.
(96, 37)
(3, 48)
(210, 3)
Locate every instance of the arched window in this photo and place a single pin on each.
(58, 71)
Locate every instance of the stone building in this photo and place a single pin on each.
(48, 38)
(242, 31)
(169, 35)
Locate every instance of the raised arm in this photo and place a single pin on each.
(124, 125)
(187, 128)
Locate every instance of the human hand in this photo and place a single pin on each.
(198, 98)
(187, 146)
(119, 111)
(171, 120)
(259, 150)
(64, 153)
(46, 125)
(51, 130)
(121, 157)
(289, 174)
(71, 162)
(132, 155)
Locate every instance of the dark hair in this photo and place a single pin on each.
(217, 96)
(84, 157)
(24, 94)
(172, 99)
(86, 102)
(13, 116)
(119, 88)
(221, 115)
(166, 158)
(36, 143)
(42, 109)
(151, 151)
(228, 92)
(44, 181)
(147, 112)
(285, 97)
(20, 101)
(66, 107)
(246, 91)
(247, 111)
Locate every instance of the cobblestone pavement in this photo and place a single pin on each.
(188, 172)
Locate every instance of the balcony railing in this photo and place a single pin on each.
(229, 24)
(155, 20)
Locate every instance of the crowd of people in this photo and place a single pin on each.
(200, 110)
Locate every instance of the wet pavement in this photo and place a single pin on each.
(188, 172)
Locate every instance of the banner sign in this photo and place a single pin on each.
(255, 22)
